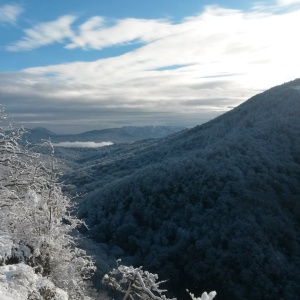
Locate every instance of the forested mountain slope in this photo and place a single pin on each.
(214, 207)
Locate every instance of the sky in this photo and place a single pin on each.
(73, 65)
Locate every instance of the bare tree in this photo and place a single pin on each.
(37, 216)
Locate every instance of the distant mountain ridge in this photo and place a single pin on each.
(126, 134)
(215, 207)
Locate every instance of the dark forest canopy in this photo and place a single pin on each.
(213, 207)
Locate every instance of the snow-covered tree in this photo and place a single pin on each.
(35, 215)
(138, 284)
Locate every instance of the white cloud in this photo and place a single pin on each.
(9, 13)
(287, 2)
(82, 144)
(45, 34)
(252, 49)
(93, 34)
(218, 54)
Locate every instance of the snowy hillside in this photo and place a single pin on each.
(215, 206)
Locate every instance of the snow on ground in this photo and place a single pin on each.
(18, 282)
(3, 297)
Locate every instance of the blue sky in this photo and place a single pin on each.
(77, 65)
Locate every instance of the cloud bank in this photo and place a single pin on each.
(189, 71)
(82, 144)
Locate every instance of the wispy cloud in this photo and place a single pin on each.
(9, 13)
(180, 69)
(94, 34)
(45, 34)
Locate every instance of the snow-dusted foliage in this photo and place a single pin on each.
(6, 246)
(138, 284)
(20, 282)
(35, 219)
(204, 296)
(135, 283)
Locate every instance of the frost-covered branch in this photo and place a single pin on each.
(135, 283)
(138, 284)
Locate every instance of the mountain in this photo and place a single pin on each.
(126, 134)
(215, 207)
